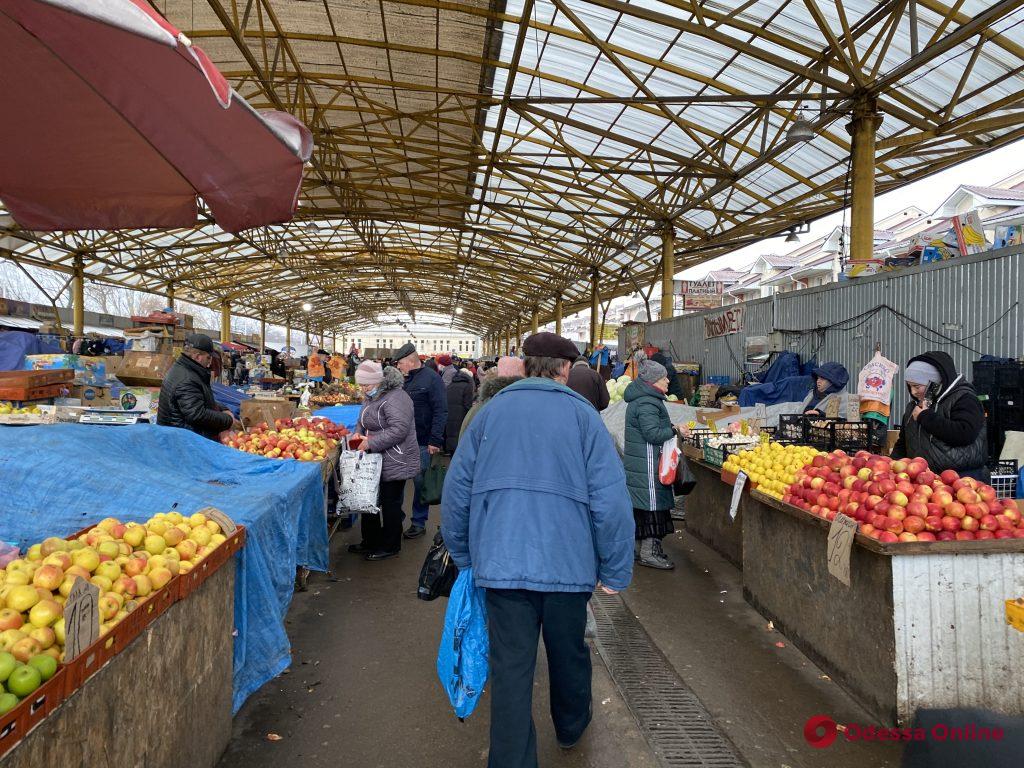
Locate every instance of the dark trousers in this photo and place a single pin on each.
(515, 619)
(383, 533)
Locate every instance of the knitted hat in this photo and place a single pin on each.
(920, 372)
(444, 359)
(651, 371)
(369, 372)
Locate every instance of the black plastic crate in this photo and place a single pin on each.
(716, 455)
(697, 437)
(1003, 478)
(983, 377)
(1008, 375)
(839, 435)
(819, 432)
(792, 429)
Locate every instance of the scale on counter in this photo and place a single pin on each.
(112, 418)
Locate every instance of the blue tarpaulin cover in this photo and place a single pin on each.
(14, 345)
(229, 397)
(58, 479)
(346, 415)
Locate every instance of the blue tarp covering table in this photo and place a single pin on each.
(58, 479)
(346, 415)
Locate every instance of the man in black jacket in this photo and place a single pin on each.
(584, 380)
(430, 407)
(186, 398)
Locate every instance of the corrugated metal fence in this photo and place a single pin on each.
(967, 307)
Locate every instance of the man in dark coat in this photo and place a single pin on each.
(186, 397)
(460, 400)
(585, 381)
(430, 405)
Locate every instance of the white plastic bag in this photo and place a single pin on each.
(669, 461)
(876, 379)
(360, 482)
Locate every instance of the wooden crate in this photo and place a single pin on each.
(21, 394)
(40, 378)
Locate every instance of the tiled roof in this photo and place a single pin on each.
(997, 193)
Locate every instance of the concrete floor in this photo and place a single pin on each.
(362, 690)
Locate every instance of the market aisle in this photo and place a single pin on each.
(362, 690)
(760, 695)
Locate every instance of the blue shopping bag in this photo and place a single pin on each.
(462, 658)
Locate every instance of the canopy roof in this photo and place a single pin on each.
(490, 155)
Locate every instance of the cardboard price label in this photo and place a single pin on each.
(81, 618)
(221, 519)
(840, 542)
(737, 493)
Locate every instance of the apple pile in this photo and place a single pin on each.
(903, 500)
(300, 439)
(127, 561)
(19, 679)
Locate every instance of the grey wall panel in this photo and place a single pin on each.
(948, 306)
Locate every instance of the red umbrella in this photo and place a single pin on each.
(115, 120)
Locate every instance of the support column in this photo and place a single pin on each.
(78, 296)
(307, 334)
(170, 296)
(263, 331)
(225, 321)
(507, 346)
(862, 129)
(668, 271)
(288, 332)
(519, 336)
(558, 314)
(535, 320)
(595, 307)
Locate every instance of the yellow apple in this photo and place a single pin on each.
(22, 597)
(45, 613)
(45, 636)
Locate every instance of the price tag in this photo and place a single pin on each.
(81, 618)
(221, 519)
(737, 493)
(840, 541)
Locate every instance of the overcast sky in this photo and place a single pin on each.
(926, 194)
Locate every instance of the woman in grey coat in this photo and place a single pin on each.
(387, 426)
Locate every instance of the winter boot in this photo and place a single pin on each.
(653, 556)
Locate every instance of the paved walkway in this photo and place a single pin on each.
(363, 692)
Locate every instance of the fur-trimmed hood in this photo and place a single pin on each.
(492, 385)
(393, 379)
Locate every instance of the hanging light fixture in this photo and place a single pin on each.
(458, 310)
(307, 307)
(791, 237)
(800, 131)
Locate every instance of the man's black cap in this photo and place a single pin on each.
(405, 350)
(546, 344)
(201, 342)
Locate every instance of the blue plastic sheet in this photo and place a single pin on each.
(58, 479)
(14, 345)
(791, 390)
(462, 663)
(346, 415)
(229, 397)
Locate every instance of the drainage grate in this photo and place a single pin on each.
(674, 722)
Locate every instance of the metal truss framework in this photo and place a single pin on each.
(490, 154)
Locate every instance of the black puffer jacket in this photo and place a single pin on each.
(951, 433)
(460, 400)
(186, 400)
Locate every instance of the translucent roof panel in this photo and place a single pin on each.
(487, 160)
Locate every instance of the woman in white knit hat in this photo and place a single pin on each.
(387, 426)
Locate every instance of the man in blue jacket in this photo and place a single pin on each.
(535, 501)
(430, 407)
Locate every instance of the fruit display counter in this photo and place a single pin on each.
(922, 624)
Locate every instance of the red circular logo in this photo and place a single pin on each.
(820, 731)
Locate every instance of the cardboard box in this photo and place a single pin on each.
(252, 412)
(88, 370)
(144, 369)
(707, 416)
(145, 399)
(92, 397)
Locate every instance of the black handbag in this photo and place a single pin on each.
(685, 480)
(438, 573)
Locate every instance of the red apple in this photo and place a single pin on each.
(844, 496)
(945, 536)
(866, 529)
(817, 483)
(888, 537)
(967, 496)
(924, 490)
(942, 497)
(964, 536)
(1003, 534)
(917, 509)
(934, 509)
(887, 486)
(1008, 503)
(847, 470)
(907, 536)
(916, 467)
(949, 477)
(1013, 514)
(882, 507)
(818, 461)
(897, 513)
(988, 523)
(970, 524)
(879, 521)
(926, 536)
(899, 466)
(894, 526)
(830, 515)
(987, 493)
(951, 523)
(983, 534)
(897, 499)
(956, 510)
(926, 478)
(864, 474)
(993, 507)
(833, 504)
(913, 524)
(977, 511)
(906, 487)
(873, 501)
(933, 523)
(1018, 533)
(849, 480)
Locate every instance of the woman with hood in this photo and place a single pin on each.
(648, 426)
(387, 426)
(830, 380)
(460, 400)
(944, 422)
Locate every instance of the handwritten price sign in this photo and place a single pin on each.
(840, 541)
